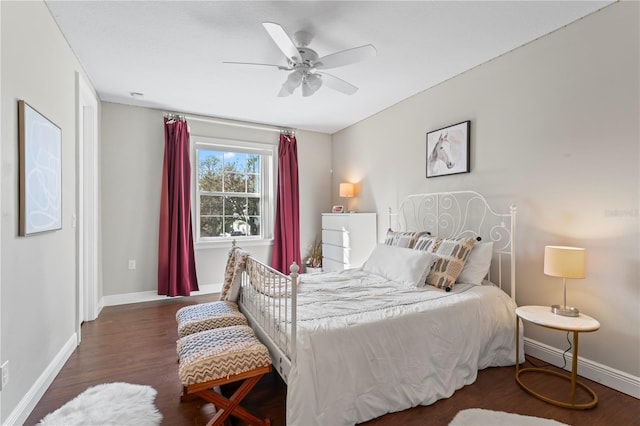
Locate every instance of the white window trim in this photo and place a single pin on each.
(268, 191)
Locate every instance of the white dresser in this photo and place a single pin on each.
(347, 239)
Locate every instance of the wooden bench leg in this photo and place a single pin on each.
(186, 397)
(227, 407)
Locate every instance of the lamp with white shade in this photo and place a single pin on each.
(565, 262)
(347, 190)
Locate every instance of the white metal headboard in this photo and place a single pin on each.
(460, 214)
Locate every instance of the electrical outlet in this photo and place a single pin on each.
(5, 374)
(132, 264)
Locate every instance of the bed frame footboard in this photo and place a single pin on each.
(268, 300)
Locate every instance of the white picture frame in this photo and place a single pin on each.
(40, 154)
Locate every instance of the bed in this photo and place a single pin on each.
(357, 344)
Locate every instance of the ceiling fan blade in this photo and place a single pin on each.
(280, 67)
(283, 41)
(338, 84)
(346, 57)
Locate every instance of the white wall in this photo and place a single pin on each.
(132, 150)
(38, 272)
(555, 130)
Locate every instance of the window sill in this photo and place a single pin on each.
(227, 243)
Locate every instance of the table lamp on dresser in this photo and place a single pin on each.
(347, 190)
(565, 262)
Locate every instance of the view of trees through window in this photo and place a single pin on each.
(229, 192)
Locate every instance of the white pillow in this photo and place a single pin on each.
(477, 265)
(402, 265)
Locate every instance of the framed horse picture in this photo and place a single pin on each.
(448, 150)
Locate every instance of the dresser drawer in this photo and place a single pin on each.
(335, 237)
(339, 222)
(329, 265)
(338, 253)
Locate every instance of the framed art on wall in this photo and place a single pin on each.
(40, 172)
(448, 150)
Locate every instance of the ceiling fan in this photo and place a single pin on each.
(303, 62)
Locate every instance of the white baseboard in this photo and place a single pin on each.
(29, 401)
(607, 376)
(148, 296)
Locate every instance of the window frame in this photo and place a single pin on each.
(268, 165)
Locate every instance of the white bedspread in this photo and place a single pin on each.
(351, 366)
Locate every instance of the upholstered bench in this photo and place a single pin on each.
(206, 316)
(219, 356)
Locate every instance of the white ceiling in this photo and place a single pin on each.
(172, 51)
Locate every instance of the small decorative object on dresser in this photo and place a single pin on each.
(347, 240)
(337, 209)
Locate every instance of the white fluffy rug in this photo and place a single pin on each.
(109, 404)
(482, 417)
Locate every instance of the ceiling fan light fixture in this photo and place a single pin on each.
(311, 84)
(314, 81)
(293, 80)
(306, 90)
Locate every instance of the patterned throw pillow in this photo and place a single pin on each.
(427, 243)
(451, 256)
(403, 239)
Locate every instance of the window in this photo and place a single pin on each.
(233, 190)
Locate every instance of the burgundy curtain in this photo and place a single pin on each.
(286, 245)
(176, 261)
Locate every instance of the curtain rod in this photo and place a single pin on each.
(243, 125)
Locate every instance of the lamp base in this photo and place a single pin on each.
(565, 311)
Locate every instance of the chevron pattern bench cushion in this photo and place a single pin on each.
(221, 352)
(206, 316)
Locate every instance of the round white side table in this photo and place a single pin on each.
(542, 315)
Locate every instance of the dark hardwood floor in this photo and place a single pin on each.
(135, 343)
